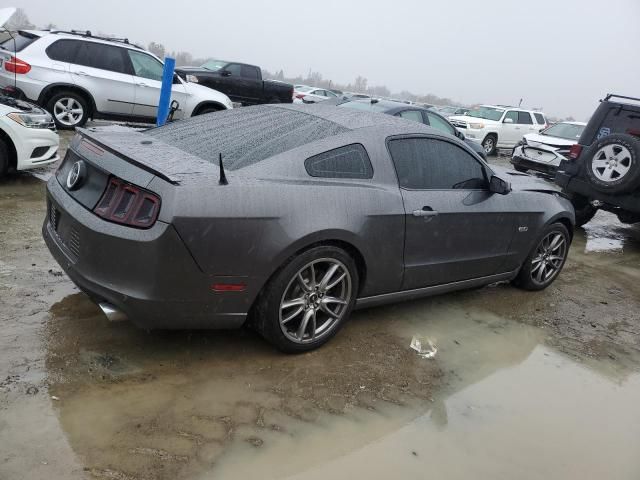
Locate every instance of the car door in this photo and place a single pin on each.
(455, 229)
(104, 71)
(147, 75)
(253, 84)
(62, 53)
(231, 78)
(511, 131)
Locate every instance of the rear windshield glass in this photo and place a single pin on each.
(22, 40)
(366, 106)
(569, 131)
(246, 135)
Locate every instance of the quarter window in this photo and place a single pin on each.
(63, 50)
(432, 164)
(104, 57)
(524, 118)
(350, 161)
(145, 66)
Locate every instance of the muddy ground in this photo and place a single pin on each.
(524, 385)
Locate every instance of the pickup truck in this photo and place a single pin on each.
(242, 83)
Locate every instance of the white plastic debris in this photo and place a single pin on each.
(53, 397)
(425, 347)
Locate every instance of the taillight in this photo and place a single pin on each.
(299, 95)
(574, 151)
(15, 65)
(128, 204)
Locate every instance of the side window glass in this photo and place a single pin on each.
(104, 57)
(331, 94)
(235, 69)
(415, 115)
(513, 115)
(440, 124)
(540, 118)
(249, 72)
(63, 50)
(431, 164)
(350, 161)
(145, 66)
(524, 118)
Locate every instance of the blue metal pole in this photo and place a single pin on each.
(165, 91)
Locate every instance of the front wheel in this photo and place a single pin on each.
(545, 262)
(308, 300)
(489, 145)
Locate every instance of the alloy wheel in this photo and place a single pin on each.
(549, 258)
(488, 145)
(611, 163)
(315, 300)
(68, 111)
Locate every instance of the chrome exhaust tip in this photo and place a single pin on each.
(111, 312)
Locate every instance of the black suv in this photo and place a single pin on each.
(604, 167)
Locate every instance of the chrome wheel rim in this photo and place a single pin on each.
(315, 300)
(549, 258)
(68, 111)
(488, 145)
(611, 163)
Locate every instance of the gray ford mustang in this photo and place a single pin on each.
(311, 212)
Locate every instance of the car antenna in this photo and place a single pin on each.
(223, 177)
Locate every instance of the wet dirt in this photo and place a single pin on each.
(524, 385)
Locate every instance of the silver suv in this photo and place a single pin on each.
(77, 76)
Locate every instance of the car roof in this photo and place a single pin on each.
(511, 107)
(88, 38)
(390, 106)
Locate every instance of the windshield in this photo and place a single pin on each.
(214, 65)
(568, 131)
(488, 113)
(304, 89)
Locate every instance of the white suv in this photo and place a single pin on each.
(77, 76)
(497, 126)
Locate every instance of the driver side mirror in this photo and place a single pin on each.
(508, 120)
(499, 186)
(460, 135)
(225, 73)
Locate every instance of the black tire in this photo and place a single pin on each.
(69, 122)
(612, 164)
(207, 109)
(267, 314)
(528, 278)
(490, 144)
(4, 159)
(584, 210)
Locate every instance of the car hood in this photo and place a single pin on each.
(10, 104)
(468, 119)
(6, 14)
(534, 139)
(523, 182)
(201, 93)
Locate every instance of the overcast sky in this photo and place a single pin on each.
(561, 55)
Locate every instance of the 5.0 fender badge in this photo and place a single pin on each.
(76, 175)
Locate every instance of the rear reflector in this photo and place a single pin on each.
(128, 204)
(15, 65)
(575, 151)
(228, 287)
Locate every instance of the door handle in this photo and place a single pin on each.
(141, 84)
(425, 212)
(80, 72)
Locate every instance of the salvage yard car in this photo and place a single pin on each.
(77, 76)
(243, 83)
(498, 126)
(290, 216)
(603, 168)
(28, 137)
(543, 152)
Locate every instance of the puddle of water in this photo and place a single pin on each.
(606, 234)
(512, 408)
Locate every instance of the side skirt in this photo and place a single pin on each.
(405, 295)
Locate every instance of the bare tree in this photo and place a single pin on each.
(20, 21)
(157, 49)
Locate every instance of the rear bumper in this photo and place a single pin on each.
(147, 274)
(546, 168)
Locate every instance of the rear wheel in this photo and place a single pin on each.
(207, 109)
(308, 300)
(546, 260)
(613, 164)
(489, 144)
(69, 109)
